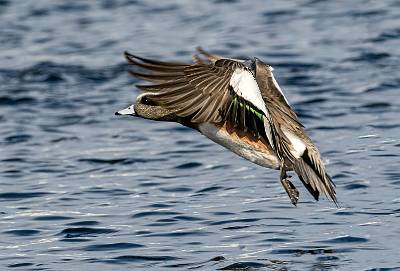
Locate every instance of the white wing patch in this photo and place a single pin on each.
(298, 145)
(244, 84)
(276, 85)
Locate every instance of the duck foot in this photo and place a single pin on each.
(291, 190)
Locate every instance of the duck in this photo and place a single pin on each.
(238, 104)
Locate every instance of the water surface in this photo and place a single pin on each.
(83, 189)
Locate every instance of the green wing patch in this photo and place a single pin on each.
(245, 116)
(248, 107)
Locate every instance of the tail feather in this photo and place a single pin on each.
(312, 174)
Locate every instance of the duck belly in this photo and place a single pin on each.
(243, 144)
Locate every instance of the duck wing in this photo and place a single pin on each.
(292, 142)
(213, 92)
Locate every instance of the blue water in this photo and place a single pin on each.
(82, 189)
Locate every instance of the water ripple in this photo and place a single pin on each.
(84, 231)
(113, 246)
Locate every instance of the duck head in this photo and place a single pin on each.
(147, 109)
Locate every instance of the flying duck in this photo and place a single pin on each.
(237, 104)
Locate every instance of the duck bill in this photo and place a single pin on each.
(129, 111)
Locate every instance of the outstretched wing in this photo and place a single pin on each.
(225, 90)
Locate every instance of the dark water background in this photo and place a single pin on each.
(82, 189)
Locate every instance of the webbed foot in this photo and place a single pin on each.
(290, 189)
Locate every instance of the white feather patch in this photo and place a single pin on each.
(298, 145)
(244, 84)
(277, 86)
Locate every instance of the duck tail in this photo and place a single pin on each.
(311, 171)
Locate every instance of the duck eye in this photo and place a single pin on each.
(146, 101)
